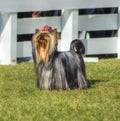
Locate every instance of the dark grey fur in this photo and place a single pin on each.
(66, 70)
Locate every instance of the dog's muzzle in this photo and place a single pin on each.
(42, 37)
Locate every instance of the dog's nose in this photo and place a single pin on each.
(42, 36)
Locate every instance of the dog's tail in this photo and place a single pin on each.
(77, 46)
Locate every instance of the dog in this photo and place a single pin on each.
(57, 70)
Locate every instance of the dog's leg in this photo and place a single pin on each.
(59, 77)
(82, 82)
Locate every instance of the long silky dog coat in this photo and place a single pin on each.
(54, 69)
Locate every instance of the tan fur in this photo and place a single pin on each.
(42, 47)
(56, 36)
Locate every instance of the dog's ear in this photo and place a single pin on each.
(37, 31)
(56, 35)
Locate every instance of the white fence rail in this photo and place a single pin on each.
(68, 24)
(33, 5)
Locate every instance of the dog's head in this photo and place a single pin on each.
(44, 43)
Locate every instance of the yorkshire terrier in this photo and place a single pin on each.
(54, 69)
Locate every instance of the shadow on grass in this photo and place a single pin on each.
(93, 82)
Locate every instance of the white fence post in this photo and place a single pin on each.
(118, 33)
(8, 33)
(69, 28)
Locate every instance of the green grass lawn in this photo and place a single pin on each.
(20, 100)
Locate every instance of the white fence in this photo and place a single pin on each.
(69, 24)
